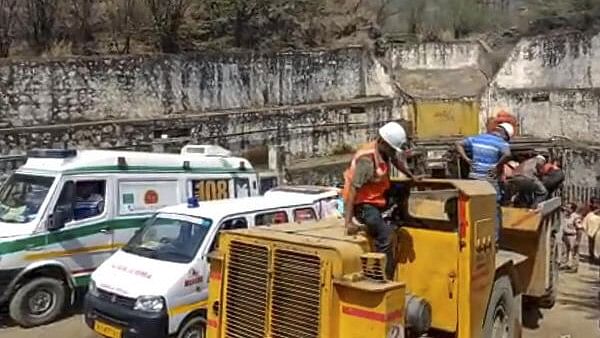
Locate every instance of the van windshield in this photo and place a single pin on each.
(170, 237)
(21, 197)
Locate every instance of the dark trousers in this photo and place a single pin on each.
(382, 234)
(530, 190)
(591, 247)
(553, 180)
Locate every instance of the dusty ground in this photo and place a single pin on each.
(575, 315)
(577, 310)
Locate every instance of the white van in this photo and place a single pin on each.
(65, 211)
(326, 198)
(156, 285)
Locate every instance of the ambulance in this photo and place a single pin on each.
(65, 212)
(157, 284)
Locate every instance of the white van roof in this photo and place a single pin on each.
(316, 191)
(222, 208)
(88, 161)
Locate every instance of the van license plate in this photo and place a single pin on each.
(107, 330)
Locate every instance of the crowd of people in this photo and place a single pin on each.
(582, 223)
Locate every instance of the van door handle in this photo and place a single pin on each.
(451, 281)
(32, 247)
(106, 231)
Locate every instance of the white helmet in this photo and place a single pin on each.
(540, 159)
(393, 134)
(508, 128)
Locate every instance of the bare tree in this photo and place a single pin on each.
(40, 18)
(82, 14)
(124, 22)
(7, 21)
(167, 16)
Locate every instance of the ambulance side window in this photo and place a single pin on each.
(230, 224)
(277, 217)
(81, 200)
(89, 199)
(304, 215)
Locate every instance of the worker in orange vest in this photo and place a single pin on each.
(366, 184)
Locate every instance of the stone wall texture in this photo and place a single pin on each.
(95, 89)
(451, 55)
(313, 103)
(303, 131)
(552, 80)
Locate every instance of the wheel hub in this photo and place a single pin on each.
(40, 302)
(194, 332)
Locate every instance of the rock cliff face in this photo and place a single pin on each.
(312, 102)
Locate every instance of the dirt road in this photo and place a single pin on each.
(577, 310)
(575, 315)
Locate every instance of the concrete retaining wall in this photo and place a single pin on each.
(95, 89)
(550, 81)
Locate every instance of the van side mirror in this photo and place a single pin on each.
(57, 220)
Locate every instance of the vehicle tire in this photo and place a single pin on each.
(548, 300)
(193, 327)
(500, 315)
(39, 301)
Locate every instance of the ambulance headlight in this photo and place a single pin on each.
(92, 289)
(149, 303)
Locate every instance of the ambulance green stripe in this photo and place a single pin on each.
(83, 280)
(50, 238)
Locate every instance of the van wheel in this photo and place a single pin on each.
(194, 327)
(547, 300)
(500, 317)
(39, 301)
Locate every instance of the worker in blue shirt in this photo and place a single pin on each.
(489, 152)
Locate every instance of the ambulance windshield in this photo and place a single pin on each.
(21, 197)
(170, 237)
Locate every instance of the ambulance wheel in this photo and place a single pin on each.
(548, 300)
(499, 318)
(39, 301)
(194, 327)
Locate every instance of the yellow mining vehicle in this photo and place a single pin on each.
(312, 280)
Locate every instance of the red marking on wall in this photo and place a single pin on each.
(372, 315)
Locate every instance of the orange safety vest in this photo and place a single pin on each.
(372, 192)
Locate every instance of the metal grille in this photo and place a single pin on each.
(247, 291)
(296, 296)
(116, 299)
(372, 268)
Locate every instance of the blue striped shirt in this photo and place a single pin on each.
(486, 151)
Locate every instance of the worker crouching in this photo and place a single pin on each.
(366, 186)
(525, 184)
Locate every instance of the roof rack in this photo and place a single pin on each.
(52, 153)
(205, 150)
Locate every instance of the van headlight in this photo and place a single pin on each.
(149, 303)
(92, 289)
